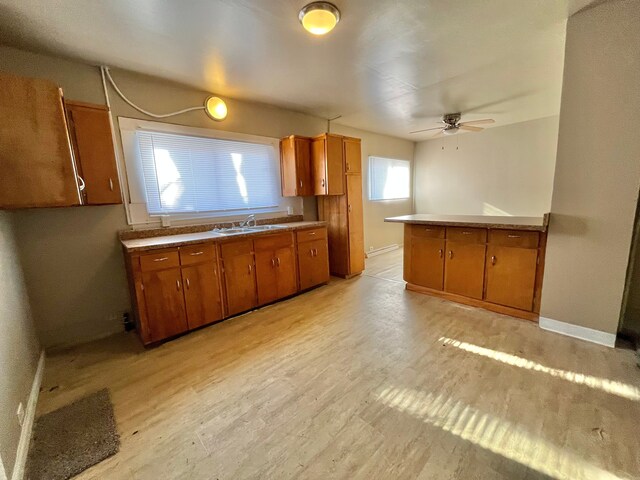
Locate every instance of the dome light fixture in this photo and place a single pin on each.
(215, 108)
(451, 130)
(319, 18)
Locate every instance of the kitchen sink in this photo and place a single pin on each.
(234, 231)
(267, 227)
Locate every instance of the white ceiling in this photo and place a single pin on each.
(390, 66)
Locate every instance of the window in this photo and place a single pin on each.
(389, 179)
(180, 174)
(194, 174)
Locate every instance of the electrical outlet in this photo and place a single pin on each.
(20, 413)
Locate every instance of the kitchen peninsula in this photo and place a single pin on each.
(492, 262)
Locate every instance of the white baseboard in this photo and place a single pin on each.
(27, 425)
(381, 250)
(576, 331)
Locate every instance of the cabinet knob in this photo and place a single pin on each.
(493, 260)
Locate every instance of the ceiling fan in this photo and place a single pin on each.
(452, 125)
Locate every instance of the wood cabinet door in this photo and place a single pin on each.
(286, 279)
(304, 184)
(288, 175)
(426, 262)
(37, 167)
(352, 155)
(266, 277)
(240, 283)
(313, 263)
(511, 276)
(464, 269)
(202, 296)
(356, 227)
(92, 141)
(164, 300)
(319, 165)
(335, 165)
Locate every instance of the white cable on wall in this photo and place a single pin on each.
(105, 71)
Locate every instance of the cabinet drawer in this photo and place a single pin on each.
(428, 231)
(312, 234)
(271, 242)
(159, 261)
(241, 247)
(197, 254)
(514, 238)
(467, 235)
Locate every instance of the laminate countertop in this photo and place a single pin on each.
(167, 241)
(539, 224)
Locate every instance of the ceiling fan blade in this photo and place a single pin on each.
(439, 134)
(470, 128)
(426, 130)
(479, 122)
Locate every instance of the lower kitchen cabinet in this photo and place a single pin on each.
(239, 276)
(182, 288)
(313, 260)
(425, 248)
(202, 295)
(511, 276)
(464, 269)
(164, 303)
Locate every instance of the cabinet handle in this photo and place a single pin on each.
(278, 261)
(450, 254)
(316, 252)
(250, 269)
(110, 184)
(427, 229)
(513, 236)
(493, 260)
(82, 185)
(440, 252)
(312, 233)
(273, 262)
(347, 166)
(349, 208)
(300, 183)
(322, 183)
(178, 284)
(195, 254)
(161, 259)
(311, 252)
(188, 284)
(467, 233)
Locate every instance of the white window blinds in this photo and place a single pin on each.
(389, 179)
(184, 174)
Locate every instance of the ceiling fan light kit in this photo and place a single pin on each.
(452, 125)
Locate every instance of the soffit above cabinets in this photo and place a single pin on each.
(389, 66)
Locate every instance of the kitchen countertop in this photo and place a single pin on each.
(166, 241)
(479, 221)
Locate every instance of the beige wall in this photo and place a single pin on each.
(72, 261)
(378, 234)
(502, 170)
(597, 169)
(19, 349)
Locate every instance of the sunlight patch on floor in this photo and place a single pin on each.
(492, 433)
(613, 387)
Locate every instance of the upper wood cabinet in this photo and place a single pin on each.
(92, 140)
(327, 159)
(295, 166)
(36, 161)
(352, 155)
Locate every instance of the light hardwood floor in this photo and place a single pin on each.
(361, 379)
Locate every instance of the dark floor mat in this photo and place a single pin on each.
(71, 439)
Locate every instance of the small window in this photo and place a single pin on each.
(389, 179)
(188, 174)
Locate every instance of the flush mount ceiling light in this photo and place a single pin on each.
(319, 18)
(215, 108)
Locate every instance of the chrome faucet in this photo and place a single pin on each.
(247, 221)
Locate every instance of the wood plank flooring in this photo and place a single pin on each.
(361, 379)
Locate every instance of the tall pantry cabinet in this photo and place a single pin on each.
(343, 213)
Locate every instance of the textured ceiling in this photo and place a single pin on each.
(390, 66)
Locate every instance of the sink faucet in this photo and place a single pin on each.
(247, 221)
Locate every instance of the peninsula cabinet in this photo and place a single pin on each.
(295, 166)
(239, 276)
(495, 268)
(38, 168)
(275, 267)
(182, 288)
(92, 141)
